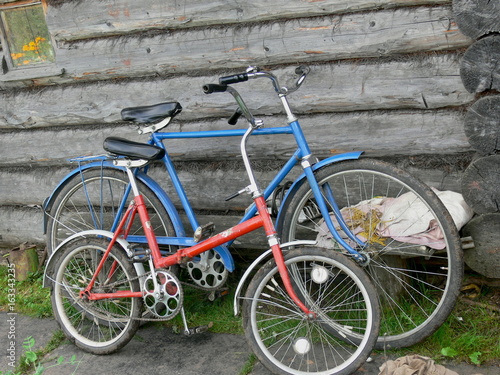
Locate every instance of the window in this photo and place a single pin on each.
(25, 36)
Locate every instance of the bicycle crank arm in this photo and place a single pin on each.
(191, 331)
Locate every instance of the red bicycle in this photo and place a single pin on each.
(307, 310)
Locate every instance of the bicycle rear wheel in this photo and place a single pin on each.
(98, 327)
(340, 294)
(91, 200)
(418, 277)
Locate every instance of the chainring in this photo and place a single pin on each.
(208, 270)
(164, 301)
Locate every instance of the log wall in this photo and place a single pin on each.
(385, 78)
(480, 74)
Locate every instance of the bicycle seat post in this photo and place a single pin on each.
(129, 164)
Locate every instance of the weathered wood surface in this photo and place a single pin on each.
(97, 18)
(20, 224)
(317, 39)
(426, 82)
(379, 133)
(482, 125)
(202, 181)
(373, 75)
(481, 185)
(25, 260)
(484, 258)
(479, 69)
(21, 217)
(476, 18)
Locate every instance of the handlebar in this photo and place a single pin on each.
(255, 72)
(242, 77)
(211, 88)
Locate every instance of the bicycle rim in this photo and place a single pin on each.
(417, 283)
(288, 342)
(92, 199)
(104, 326)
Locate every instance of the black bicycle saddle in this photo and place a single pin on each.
(151, 113)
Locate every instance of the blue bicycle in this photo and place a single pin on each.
(389, 222)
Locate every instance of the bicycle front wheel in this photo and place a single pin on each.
(340, 294)
(103, 326)
(415, 254)
(91, 200)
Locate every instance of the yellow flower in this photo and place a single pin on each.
(16, 56)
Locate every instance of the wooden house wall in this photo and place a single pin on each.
(384, 78)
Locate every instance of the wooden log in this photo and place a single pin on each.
(430, 81)
(20, 224)
(317, 39)
(31, 186)
(97, 18)
(479, 68)
(379, 133)
(478, 17)
(482, 125)
(481, 185)
(26, 224)
(484, 257)
(25, 260)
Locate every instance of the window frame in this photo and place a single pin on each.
(8, 64)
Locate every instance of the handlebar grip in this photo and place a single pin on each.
(211, 88)
(242, 77)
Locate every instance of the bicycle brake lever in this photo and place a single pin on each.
(253, 69)
(234, 118)
(232, 196)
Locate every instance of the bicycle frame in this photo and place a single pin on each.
(302, 152)
(137, 205)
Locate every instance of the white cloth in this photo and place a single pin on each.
(405, 218)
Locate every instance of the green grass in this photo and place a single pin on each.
(249, 365)
(31, 298)
(28, 366)
(471, 334)
(200, 312)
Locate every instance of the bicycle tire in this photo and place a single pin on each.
(98, 327)
(340, 294)
(406, 275)
(91, 199)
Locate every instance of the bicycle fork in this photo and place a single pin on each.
(272, 236)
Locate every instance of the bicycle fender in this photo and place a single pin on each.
(49, 268)
(144, 178)
(298, 182)
(226, 256)
(47, 204)
(255, 263)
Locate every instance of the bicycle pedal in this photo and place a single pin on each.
(198, 329)
(203, 232)
(219, 293)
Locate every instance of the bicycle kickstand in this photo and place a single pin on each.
(191, 331)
